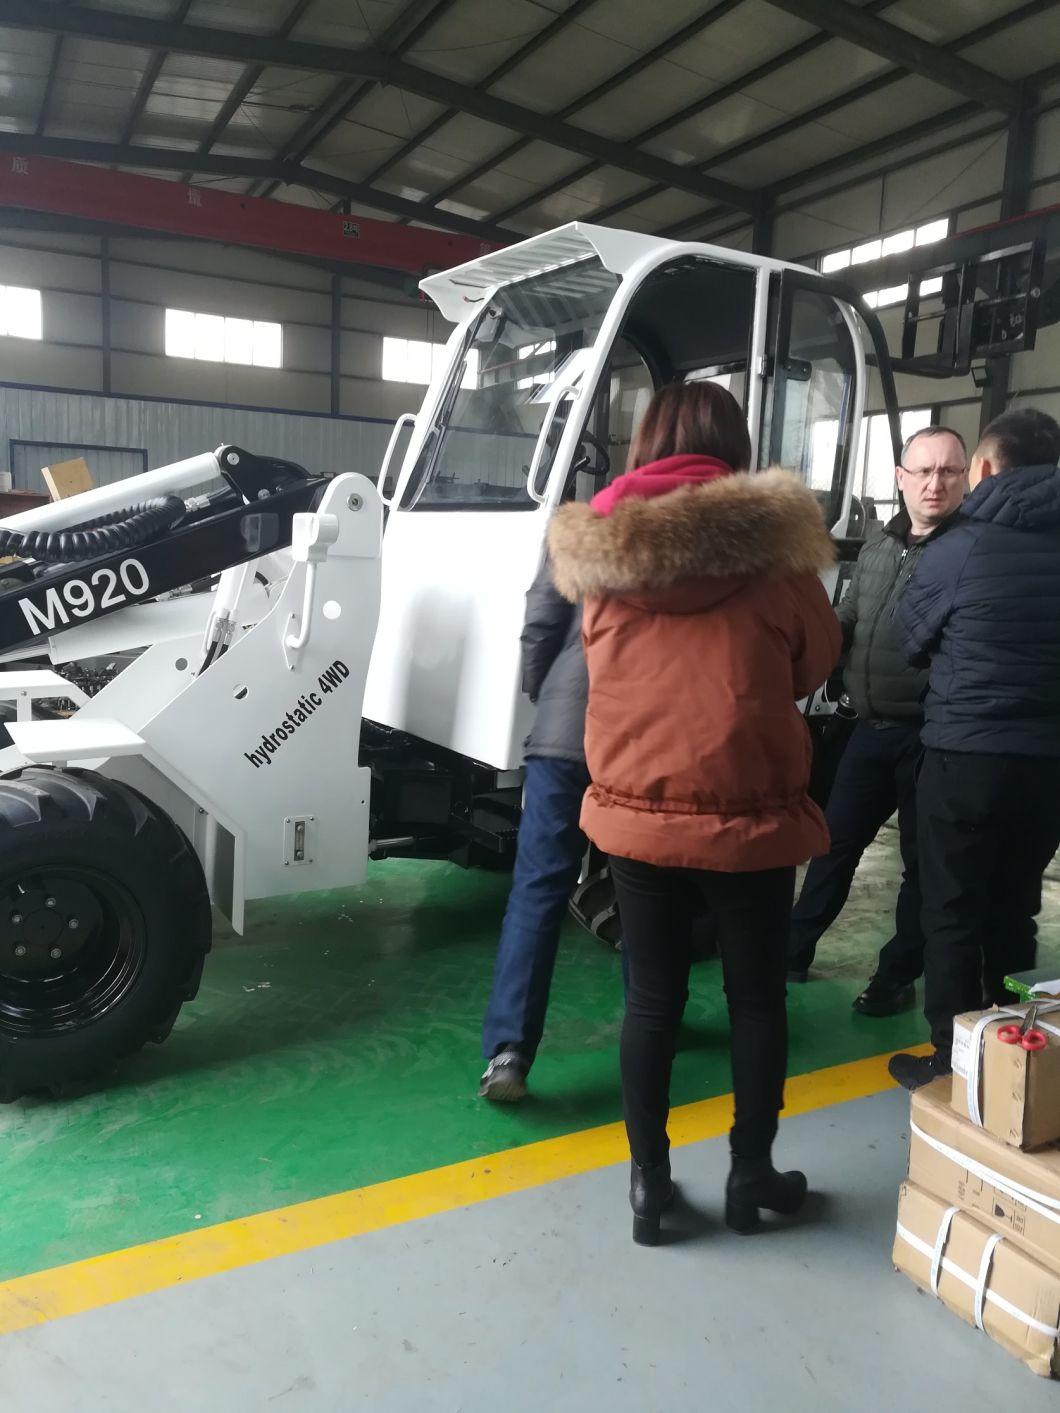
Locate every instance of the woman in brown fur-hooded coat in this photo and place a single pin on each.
(704, 622)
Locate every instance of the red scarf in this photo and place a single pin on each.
(658, 478)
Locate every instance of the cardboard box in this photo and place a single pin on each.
(1019, 1305)
(1018, 1090)
(67, 478)
(1017, 1194)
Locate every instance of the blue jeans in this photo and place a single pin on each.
(548, 860)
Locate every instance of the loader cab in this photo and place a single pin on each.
(561, 342)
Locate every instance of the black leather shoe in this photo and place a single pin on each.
(754, 1183)
(651, 1191)
(796, 974)
(881, 998)
(912, 1072)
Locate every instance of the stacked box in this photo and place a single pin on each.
(993, 1212)
(1011, 1092)
(981, 1277)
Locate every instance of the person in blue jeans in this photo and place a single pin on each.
(550, 846)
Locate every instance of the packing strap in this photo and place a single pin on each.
(993, 1242)
(940, 1246)
(978, 1284)
(975, 1058)
(1038, 1201)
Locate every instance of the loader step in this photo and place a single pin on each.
(55, 742)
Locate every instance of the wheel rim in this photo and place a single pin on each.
(72, 944)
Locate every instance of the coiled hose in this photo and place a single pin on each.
(120, 529)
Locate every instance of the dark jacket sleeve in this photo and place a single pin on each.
(818, 638)
(548, 617)
(927, 600)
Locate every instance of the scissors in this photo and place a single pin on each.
(1027, 1035)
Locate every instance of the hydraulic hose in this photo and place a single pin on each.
(120, 529)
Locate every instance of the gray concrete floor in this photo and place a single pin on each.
(540, 1301)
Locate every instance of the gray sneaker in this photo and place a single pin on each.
(505, 1078)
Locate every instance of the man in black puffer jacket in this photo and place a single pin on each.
(984, 609)
(551, 845)
(877, 772)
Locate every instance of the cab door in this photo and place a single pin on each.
(467, 523)
(822, 344)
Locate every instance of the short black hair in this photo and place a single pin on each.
(1023, 436)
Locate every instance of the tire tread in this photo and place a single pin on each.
(44, 797)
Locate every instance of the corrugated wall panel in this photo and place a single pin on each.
(172, 431)
(106, 464)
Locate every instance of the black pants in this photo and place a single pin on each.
(752, 911)
(989, 826)
(876, 776)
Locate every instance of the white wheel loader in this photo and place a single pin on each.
(345, 695)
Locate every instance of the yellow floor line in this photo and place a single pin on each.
(207, 1251)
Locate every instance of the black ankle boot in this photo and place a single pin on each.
(755, 1183)
(650, 1193)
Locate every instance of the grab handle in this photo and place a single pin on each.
(564, 395)
(388, 454)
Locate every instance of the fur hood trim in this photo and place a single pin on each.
(738, 526)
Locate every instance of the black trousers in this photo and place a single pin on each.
(751, 910)
(876, 776)
(988, 826)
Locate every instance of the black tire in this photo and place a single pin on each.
(593, 905)
(104, 926)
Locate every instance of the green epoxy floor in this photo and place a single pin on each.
(337, 1045)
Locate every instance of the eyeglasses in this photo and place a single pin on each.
(944, 473)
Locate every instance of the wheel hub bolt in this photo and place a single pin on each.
(73, 924)
(49, 902)
(55, 953)
(20, 950)
(16, 918)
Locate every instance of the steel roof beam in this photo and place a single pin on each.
(691, 110)
(826, 109)
(411, 24)
(919, 56)
(167, 159)
(365, 64)
(250, 76)
(585, 100)
(913, 133)
(49, 85)
(555, 26)
(149, 79)
(900, 164)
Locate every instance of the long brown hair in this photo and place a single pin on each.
(700, 419)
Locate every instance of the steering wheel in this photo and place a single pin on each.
(603, 458)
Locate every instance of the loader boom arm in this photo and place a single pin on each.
(106, 563)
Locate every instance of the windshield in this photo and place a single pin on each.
(480, 445)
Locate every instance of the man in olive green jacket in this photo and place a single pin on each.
(877, 773)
